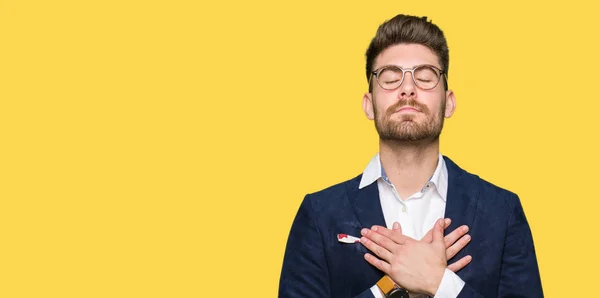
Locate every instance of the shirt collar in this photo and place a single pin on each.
(374, 171)
(440, 178)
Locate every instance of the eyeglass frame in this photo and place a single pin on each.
(412, 72)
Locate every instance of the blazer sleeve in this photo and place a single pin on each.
(304, 272)
(519, 274)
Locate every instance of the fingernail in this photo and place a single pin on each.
(466, 228)
(447, 221)
(363, 239)
(469, 258)
(363, 232)
(468, 238)
(374, 228)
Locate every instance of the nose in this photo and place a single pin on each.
(407, 88)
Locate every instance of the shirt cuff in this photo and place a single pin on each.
(450, 286)
(376, 292)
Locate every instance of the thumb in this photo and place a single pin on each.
(438, 232)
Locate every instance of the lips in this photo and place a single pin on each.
(407, 106)
(407, 109)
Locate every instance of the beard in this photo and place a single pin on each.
(407, 129)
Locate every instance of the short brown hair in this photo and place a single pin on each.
(405, 29)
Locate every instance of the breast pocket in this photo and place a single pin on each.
(349, 249)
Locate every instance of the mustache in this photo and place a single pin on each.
(407, 102)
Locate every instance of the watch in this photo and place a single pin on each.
(390, 289)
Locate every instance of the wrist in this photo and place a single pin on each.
(435, 282)
(389, 289)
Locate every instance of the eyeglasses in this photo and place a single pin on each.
(425, 76)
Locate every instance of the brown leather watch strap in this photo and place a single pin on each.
(386, 284)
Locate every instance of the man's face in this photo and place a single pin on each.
(408, 113)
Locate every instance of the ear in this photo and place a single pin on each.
(450, 104)
(367, 104)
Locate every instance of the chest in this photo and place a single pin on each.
(416, 213)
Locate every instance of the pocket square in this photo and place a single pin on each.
(345, 238)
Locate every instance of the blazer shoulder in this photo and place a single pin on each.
(487, 189)
(332, 197)
(490, 188)
(336, 190)
(506, 196)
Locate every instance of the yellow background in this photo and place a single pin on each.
(162, 148)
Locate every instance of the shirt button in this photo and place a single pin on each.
(403, 208)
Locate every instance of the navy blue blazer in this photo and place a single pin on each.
(317, 265)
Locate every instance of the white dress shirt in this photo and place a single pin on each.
(416, 215)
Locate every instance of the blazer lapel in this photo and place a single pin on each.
(461, 201)
(366, 204)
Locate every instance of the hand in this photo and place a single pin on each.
(452, 245)
(415, 265)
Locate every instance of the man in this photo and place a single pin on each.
(396, 208)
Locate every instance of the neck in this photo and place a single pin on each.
(409, 165)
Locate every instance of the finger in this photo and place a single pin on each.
(379, 264)
(457, 233)
(394, 234)
(429, 236)
(438, 232)
(396, 226)
(460, 264)
(447, 222)
(458, 246)
(377, 249)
